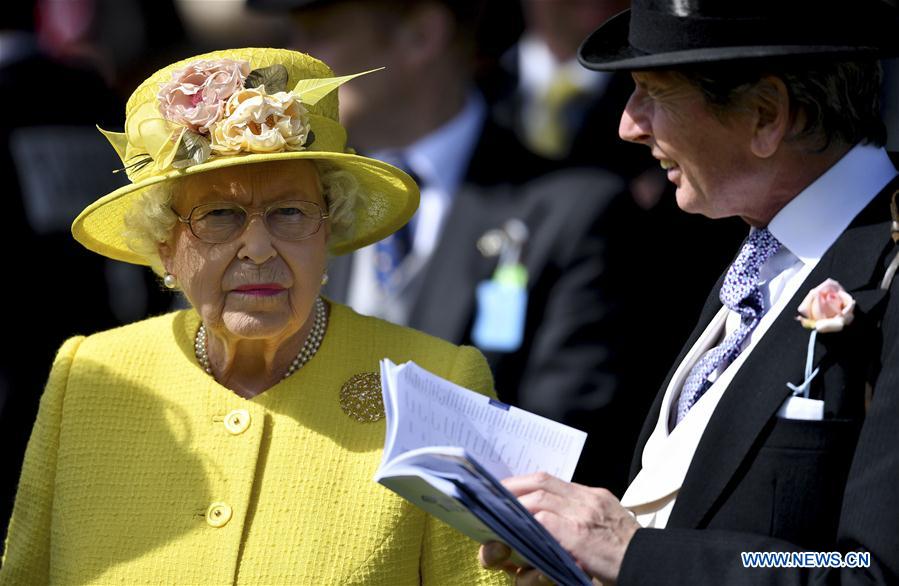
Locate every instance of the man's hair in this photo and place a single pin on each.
(839, 99)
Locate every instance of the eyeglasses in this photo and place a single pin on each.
(223, 221)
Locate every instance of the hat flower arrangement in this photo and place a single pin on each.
(239, 107)
(221, 107)
(224, 107)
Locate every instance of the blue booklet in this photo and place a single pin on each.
(447, 447)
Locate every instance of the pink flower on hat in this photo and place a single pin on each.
(827, 308)
(197, 93)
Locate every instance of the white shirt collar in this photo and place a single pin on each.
(537, 67)
(441, 158)
(810, 223)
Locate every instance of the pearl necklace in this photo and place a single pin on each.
(310, 346)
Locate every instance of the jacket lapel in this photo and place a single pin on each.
(445, 303)
(758, 390)
(711, 307)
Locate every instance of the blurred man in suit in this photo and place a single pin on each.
(525, 260)
(557, 107)
(761, 438)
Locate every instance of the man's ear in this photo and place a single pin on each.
(772, 119)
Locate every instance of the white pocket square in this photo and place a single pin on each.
(802, 408)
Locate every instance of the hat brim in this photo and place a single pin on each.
(608, 49)
(389, 198)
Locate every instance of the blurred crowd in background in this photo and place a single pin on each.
(542, 238)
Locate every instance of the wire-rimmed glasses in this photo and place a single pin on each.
(223, 221)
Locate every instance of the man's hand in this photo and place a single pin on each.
(590, 524)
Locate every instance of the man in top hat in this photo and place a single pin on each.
(771, 433)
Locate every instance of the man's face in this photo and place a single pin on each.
(706, 156)
(352, 37)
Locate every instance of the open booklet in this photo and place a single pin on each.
(446, 447)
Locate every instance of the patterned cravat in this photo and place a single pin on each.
(740, 293)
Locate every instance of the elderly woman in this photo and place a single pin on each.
(234, 442)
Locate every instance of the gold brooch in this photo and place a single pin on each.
(360, 397)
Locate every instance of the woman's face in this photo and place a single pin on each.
(255, 286)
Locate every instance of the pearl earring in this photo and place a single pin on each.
(169, 280)
(325, 279)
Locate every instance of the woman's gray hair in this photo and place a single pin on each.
(150, 220)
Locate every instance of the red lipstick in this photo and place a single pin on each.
(260, 289)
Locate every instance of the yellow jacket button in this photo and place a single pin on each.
(218, 514)
(237, 421)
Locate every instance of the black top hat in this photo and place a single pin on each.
(672, 33)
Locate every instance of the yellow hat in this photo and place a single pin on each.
(202, 114)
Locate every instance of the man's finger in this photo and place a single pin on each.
(531, 577)
(544, 500)
(519, 485)
(495, 555)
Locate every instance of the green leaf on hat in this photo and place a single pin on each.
(193, 149)
(310, 91)
(273, 77)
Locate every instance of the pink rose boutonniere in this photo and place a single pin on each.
(827, 308)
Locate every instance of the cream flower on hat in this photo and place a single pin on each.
(257, 122)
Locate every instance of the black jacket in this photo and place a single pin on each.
(760, 483)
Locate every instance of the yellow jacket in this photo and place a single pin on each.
(136, 474)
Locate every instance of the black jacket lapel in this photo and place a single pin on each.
(709, 310)
(445, 302)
